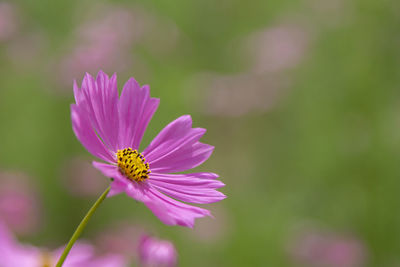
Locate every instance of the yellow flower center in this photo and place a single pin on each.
(133, 165)
(46, 259)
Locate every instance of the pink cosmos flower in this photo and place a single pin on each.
(103, 41)
(23, 215)
(14, 254)
(111, 128)
(278, 48)
(121, 238)
(155, 252)
(8, 21)
(323, 248)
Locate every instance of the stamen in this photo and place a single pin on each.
(133, 165)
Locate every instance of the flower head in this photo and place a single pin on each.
(111, 128)
(14, 254)
(323, 248)
(8, 21)
(20, 207)
(155, 252)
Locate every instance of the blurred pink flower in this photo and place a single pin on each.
(320, 248)
(19, 203)
(278, 48)
(154, 252)
(103, 42)
(13, 254)
(237, 95)
(111, 128)
(81, 179)
(121, 238)
(106, 38)
(260, 87)
(8, 21)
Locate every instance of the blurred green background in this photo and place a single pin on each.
(300, 98)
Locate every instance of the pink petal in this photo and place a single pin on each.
(110, 171)
(108, 260)
(168, 210)
(187, 187)
(191, 196)
(121, 183)
(171, 133)
(87, 136)
(187, 158)
(80, 252)
(156, 252)
(14, 254)
(138, 191)
(6, 238)
(170, 147)
(117, 187)
(201, 179)
(176, 147)
(136, 108)
(172, 212)
(99, 99)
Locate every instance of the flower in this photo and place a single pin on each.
(14, 254)
(8, 21)
(155, 252)
(324, 248)
(121, 238)
(278, 48)
(111, 128)
(23, 215)
(102, 40)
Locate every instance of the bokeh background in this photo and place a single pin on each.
(300, 98)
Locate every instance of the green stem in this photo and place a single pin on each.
(81, 226)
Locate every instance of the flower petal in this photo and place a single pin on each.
(176, 147)
(99, 98)
(187, 158)
(172, 212)
(108, 170)
(201, 179)
(87, 136)
(170, 135)
(80, 252)
(187, 187)
(107, 260)
(14, 254)
(136, 108)
(138, 191)
(190, 196)
(117, 187)
(168, 210)
(121, 183)
(7, 241)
